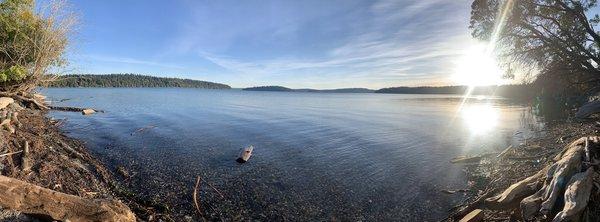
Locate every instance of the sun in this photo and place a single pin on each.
(477, 67)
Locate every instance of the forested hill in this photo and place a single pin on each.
(131, 80)
(269, 88)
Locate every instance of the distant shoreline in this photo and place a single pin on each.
(520, 91)
(130, 80)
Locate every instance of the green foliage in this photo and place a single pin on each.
(131, 80)
(31, 42)
(14, 73)
(17, 24)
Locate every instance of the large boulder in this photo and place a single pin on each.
(5, 101)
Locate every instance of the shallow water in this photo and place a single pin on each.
(317, 155)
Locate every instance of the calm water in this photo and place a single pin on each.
(317, 155)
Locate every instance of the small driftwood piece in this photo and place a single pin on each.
(8, 154)
(505, 152)
(465, 159)
(70, 150)
(25, 164)
(31, 199)
(454, 191)
(245, 154)
(474, 216)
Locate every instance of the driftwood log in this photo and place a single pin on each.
(245, 154)
(48, 204)
(31, 100)
(569, 178)
(577, 196)
(85, 111)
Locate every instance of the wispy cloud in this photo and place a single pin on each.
(419, 51)
(112, 59)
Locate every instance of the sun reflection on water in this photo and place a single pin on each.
(480, 118)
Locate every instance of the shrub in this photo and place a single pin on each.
(31, 43)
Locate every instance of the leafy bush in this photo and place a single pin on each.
(14, 73)
(31, 43)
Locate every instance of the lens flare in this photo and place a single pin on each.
(480, 118)
(477, 67)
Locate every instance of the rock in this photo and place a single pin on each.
(88, 111)
(475, 216)
(5, 101)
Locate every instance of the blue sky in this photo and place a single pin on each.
(299, 44)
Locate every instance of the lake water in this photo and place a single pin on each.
(321, 156)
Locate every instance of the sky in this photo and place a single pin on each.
(299, 44)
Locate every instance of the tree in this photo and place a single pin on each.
(31, 43)
(551, 39)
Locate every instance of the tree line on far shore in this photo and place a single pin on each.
(519, 91)
(131, 80)
(516, 91)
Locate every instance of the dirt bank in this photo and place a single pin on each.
(496, 172)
